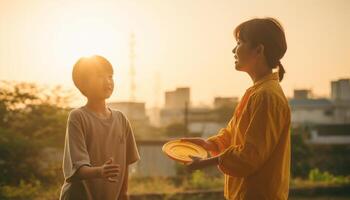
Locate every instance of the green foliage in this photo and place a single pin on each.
(301, 156)
(199, 180)
(33, 111)
(33, 189)
(337, 157)
(316, 175)
(306, 156)
(24, 190)
(32, 118)
(152, 185)
(17, 157)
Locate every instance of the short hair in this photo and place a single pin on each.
(86, 67)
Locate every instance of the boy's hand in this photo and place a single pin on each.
(207, 145)
(110, 170)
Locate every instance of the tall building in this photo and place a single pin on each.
(132, 70)
(177, 99)
(340, 90)
(340, 95)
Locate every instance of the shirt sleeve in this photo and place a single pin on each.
(222, 139)
(132, 154)
(262, 136)
(75, 153)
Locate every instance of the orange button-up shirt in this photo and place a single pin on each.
(254, 148)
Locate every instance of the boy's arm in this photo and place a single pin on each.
(108, 170)
(87, 172)
(124, 191)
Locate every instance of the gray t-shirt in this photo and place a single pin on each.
(92, 140)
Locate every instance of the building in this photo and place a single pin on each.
(177, 99)
(176, 102)
(204, 121)
(335, 110)
(302, 94)
(220, 102)
(153, 163)
(135, 111)
(333, 134)
(311, 111)
(171, 116)
(340, 96)
(340, 90)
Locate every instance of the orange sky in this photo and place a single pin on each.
(184, 43)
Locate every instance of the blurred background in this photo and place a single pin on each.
(175, 77)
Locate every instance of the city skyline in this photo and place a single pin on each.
(177, 44)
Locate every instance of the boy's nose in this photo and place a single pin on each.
(110, 82)
(109, 79)
(234, 50)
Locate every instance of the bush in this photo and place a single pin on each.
(301, 156)
(24, 190)
(17, 158)
(199, 180)
(316, 175)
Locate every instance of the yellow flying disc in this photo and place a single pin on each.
(181, 151)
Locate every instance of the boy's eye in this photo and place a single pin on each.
(109, 77)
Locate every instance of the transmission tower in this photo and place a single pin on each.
(132, 67)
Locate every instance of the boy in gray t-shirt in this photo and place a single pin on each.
(99, 143)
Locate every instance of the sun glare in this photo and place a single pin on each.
(87, 36)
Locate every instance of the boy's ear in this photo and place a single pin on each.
(82, 90)
(260, 49)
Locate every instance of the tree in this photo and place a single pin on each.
(32, 118)
(33, 111)
(301, 155)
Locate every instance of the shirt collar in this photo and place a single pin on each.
(272, 76)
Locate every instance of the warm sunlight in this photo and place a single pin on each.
(188, 113)
(86, 36)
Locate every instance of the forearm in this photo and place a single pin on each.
(211, 161)
(200, 164)
(87, 172)
(241, 162)
(124, 190)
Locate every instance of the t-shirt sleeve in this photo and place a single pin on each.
(75, 153)
(132, 154)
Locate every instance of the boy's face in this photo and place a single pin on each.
(100, 84)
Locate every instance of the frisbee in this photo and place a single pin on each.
(181, 151)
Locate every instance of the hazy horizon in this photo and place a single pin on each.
(178, 43)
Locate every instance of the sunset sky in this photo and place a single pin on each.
(178, 43)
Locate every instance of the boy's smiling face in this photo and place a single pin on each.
(100, 83)
(93, 76)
